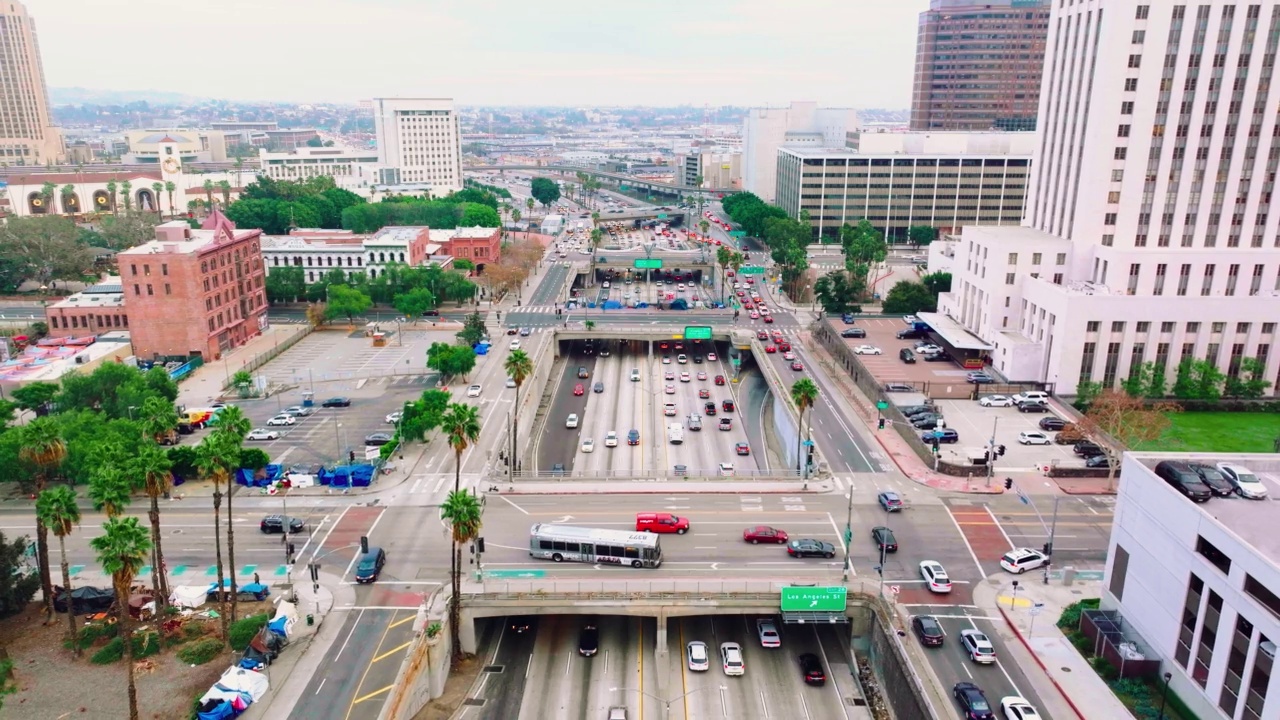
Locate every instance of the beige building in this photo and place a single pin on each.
(27, 135)
(420, 137)
(148, 147)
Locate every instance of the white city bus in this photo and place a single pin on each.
(591, 545)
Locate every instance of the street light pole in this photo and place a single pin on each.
(848, 535)
(1164, 695)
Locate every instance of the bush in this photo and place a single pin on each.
(90, 634)
(145, 644)
(1070, 618)
(201, 651)
(1082, 643)
(1104, 668)
(242, 631)
(109, 653)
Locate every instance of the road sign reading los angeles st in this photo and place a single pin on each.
(814, 599)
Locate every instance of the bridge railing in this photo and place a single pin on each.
(665, 589)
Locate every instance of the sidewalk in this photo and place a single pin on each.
(205, 384)
(1076, 690)
(694, 485)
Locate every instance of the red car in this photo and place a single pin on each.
(742, 449)
(797, 365)
(704, 393)
(719, 379)
(768, 319)
(748, 304)
(762, 335)
(764, 534)
(784, 347)
(578, 389)
(770, 349)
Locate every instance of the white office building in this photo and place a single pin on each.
(800, 125)
(1148, 234)
(348, 167)
(1199, 585)
(420, 137)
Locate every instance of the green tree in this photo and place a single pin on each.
(156, 470)
(473, 329)
(57, 509)
(126, 190)
(45, 449)
(804, 393)
(1206, 380)
(8, 413)
(170, 187)
(46, 248)
(461, 510)
(840, 293)
(519, 367)
(1086, 392)
(476, 215)
(346, 301)
(110, 491)
(1145, 380)
(158, 417)
(225, 187)
(36, 397)
(937, 283)
(544, 190)
(112, 192)
(424, 414)
(909, 298)
(1253, 378)
(230, 430)
(208, 195)
(124, 231)
(17, 584)
(214, 463)
(414, 302)
(123, 548)
(461, 425)
(285, 284)
(921, 234)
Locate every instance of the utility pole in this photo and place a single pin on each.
(848, 535)
(1053, 529)
(991, 451)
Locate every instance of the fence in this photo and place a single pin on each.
(264, 357)
(1127, 652)
(692, 475)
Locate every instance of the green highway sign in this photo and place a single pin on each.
(662, 216)
(882, 405)
(737, 233)
(697, 332)
(648, 264)
(814, 599)
(514, 574)
(751, 270)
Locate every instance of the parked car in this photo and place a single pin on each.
(1052, 423)
(1098, 461)
(1245, 481)
(995, 401)
(282, 420)
(1037, 395)
(1216, 481)
(928, 630)
(1183, 479)
(1020, 560)
(300, 410)
(1033, 437)
(945, 436)
(377, 439)
(866, 350)
(262, 434)
(853, 333)
(336, 402)
(979, 378)
(1033, 406)
(1087, 448)
(926, 422)
(899, 387)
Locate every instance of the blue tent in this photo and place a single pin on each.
(612, 305)
(217, 710)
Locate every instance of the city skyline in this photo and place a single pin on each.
(561, 53)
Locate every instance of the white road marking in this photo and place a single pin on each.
(969, 547)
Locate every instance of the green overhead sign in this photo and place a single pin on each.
(697, 332)
(814, 599)
(737, 233)
(648, 264)
(751, 270)
(662, 216)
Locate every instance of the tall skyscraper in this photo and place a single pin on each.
(978, 65)
(27, 135)
(420, 138)
(1148, 235)
(802, 124)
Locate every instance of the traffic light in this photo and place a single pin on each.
(351, 456)
(1008, 483)
(480, 544)
(364, 543)
(881, 424)
(1048, 548)
(999, 451)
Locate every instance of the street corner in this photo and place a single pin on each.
(982, 532)
(915, 594)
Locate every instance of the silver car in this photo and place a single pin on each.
(696, 654)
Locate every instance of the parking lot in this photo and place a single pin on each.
(888, 367)
(975, 424)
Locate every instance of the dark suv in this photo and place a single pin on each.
(884, 539)
(928, 630)
(1212, 477)
(1184, 480)
(275, 524)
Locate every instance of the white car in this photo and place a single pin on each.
(1033, 438)
(299, 410)
(473, 391)
(393, 418)
(605, 284)
(1036, 395)
(977, 646)
(669, 409)
(670, 390)
(866, 350)
(1020, 560)
(571, 421)
(1016, 708)
(768, 633)
(282, 420)
(588, 445)
(935, 576)
(726, 469)
(996, 401)
(731, 658)
(684, 377)
(788, 356)
(682, 359)
(1245, 481)
(511, 382)
(611, 438)
(927, 348)
(635, 376)
(699, 660)
(262, 434)
(515, 344)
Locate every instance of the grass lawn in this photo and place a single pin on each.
(1219, 432)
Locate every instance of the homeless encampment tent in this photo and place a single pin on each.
(238, 684)
(188, 596)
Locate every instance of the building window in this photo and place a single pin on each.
(1119, 569)
(167, 291)
(136, 289)
(1190, 614)
(1144, 327)
(1122, 131)
(1258, 681)
(1109, 219)
(1112, 363)
(1143, 12)
(1215, 556)
(149, 290)
(1166, 327)
(1240, 641)
(1117, 326)
(164, 268)
(1135, 61)
(1208, 637)
(1193, 328)
(1131, 84)
(133, 269)
(1093, 326)
(1008, 278)
(1207, 285)
(1086, 361)
(1268, 328)
(1035, 258)
(1108, 240)
(1057, 278)
(1013, 258)
(1184, 278)
(1121, 153)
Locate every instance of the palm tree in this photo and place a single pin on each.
(47, 191)
(211, 458)
(595, 219)
(568, 190)
(169, 187)
(68, 198)
(519, 367)
(111, 191)
(462, 512)
(157, 477)
(126, 189)
(239, 164)
(705, 225)
(156, 189)
(723, 256)
(232, 426)
(528, 203)
(515, 219)
(43, 447)
(208, 194)
(225, 187)
(57, 509)
(122, 550)
(461, 424)
(109, 490)
(804, 393)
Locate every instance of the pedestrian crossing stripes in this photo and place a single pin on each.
(185, 573)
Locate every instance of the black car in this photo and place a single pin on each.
(926, 422)
(912, 410)
(275, 524)
(973, 701)
(1214, 478)
(911, 334)
(521, 624)
(853, 333)
(1033, 407)
(588, 641)
(598, 387)
(928, 630)
(1087, 449)
(884, 539)
(370, 565)
(1185, 480)
(377, 439)
(811, 668)
(808, 547)
(336, 402)
(1098, 461)
(899, 387)
(84, 599)
(1052, 424)
(937, 357)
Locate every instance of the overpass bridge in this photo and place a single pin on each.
(615, 178)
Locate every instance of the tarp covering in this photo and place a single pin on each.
(188, 596)
(216, 710)
(285, 619)
(238, 681)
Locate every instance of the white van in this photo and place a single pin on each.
(675, 433)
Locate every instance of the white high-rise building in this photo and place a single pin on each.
(801, 125)
(420, 137)
(1148, 234)
(27, 134)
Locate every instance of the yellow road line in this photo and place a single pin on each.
(392, 651)
(365, 674)
(684, 673)
(402, 621)
(640, 626)
(375, 693)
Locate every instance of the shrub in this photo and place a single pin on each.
(109, 653)
(1082, 643)
(1104, 668)
(433, 629)
(145, 644)
(90, 634)
(243, 630)
(1070, 618)
(200, 651)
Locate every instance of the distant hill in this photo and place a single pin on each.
(81, 96)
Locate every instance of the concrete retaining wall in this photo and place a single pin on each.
(425, 668)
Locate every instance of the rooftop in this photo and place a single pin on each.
(294, 242)
(110, 297)
(397, 235)
(953, 332)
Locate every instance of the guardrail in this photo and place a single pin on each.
(699, 475)
(657, 589)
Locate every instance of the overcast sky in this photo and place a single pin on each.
(855, 53)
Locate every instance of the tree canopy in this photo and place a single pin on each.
(544, 190)
(451, 360)
(275, 206)
(346, 301)
(909, 298)
(44, 249)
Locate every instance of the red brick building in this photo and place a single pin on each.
(194, 292)
(94, 310)
(479, 245)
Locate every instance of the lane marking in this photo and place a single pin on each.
(393, 650)
(373, 694)
(967, 546)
